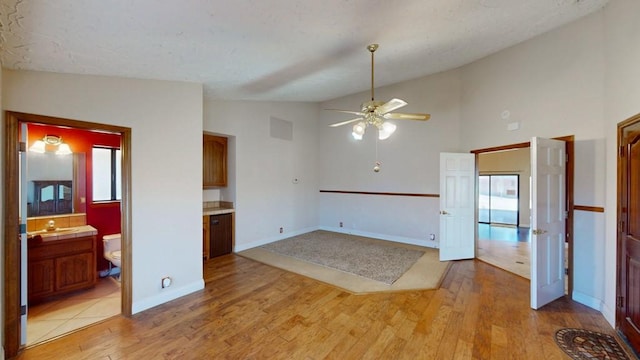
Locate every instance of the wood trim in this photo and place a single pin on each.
(11, 238)
(11, 217)
(569, 181)
(378, 193)
(588, 208)
(126, 221)
(502, 148)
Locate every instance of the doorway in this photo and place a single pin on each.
(61, 186)
(12, 244)
(504, 210)
(524, 205)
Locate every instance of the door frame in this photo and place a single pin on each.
(621, 228)
(11, 218)
(569, 148)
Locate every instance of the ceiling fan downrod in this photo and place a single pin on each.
(372, 48)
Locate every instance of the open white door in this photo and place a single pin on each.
(548, 164)
(457, 206)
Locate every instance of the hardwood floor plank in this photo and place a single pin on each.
(249, 310)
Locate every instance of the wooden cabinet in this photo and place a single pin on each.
(59, 266)
(205, 237)
(221, 234)
(214, 161)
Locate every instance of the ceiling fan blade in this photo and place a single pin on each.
(390, 106)
(404, 116)
(347, 112)
(346, 122)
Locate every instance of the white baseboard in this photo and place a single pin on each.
(242, 247)
(587, 300)
(400, 239)
(609, 314)
(166, 296)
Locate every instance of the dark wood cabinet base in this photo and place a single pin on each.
(221, 235)
(59, 267)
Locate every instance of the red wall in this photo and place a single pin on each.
(105, 217)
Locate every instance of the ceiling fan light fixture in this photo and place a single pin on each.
(385, 130)
(375, 113)
(358, 129)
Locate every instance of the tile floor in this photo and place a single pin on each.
(52, 319)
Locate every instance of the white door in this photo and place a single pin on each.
(548, 163)
(22, 175)
(457, 206)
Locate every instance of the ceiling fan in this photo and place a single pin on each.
(376, 112)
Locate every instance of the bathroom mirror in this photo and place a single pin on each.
(55, 183)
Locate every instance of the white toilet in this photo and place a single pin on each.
(112, 252)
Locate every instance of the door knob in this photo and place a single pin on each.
(444, 212)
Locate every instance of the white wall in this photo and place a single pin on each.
(622, 89)
(409, 162)
(263, 168)
(552, 86)
(166, 122)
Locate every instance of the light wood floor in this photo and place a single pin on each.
(249, 310)
(508, 248)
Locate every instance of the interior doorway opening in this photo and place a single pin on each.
(524, 206)
(14, 232)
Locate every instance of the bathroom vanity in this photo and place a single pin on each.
(60, 261)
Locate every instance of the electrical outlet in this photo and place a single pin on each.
(340, 223)
(432, 237)
(281, 230)
(166, 282)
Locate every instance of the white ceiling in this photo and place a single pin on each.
(286, 50)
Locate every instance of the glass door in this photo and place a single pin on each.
(498, 199)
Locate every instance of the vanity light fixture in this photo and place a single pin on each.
(40, 145)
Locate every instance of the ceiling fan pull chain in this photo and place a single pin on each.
(376, 168)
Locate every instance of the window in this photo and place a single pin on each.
(106, 174)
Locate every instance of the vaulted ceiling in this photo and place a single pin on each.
(284, 50)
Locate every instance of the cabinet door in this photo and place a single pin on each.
(214, 161)
(205, 238)
(221, 234)
(41, 278)
(75, 271)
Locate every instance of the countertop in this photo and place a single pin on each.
(64, 233)
(217, 210)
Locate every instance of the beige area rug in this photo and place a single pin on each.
(424, 272)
